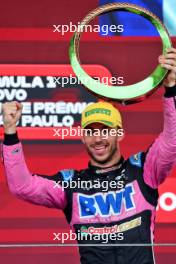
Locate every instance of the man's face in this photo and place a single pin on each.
(100, 142)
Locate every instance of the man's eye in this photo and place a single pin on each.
(88, 132)
(105, 131)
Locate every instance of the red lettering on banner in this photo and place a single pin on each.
(166, 211)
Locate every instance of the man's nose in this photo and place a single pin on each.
(98, 138)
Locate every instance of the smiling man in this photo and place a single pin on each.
(122, 214)
(102, 124)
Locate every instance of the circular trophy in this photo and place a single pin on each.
(124, 94)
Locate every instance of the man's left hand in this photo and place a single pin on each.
(168, 62)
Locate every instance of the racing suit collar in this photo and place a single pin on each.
(99, 170)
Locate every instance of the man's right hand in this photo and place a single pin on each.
(11, 112)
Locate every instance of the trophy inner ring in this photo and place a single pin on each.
(123, 94)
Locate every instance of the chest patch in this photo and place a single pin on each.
(106, 204)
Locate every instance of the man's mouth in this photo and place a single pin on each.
(100, 149)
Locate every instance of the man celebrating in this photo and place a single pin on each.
(125, 211)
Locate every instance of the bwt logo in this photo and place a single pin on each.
(106, 204)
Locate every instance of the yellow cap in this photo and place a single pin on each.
(101, 112)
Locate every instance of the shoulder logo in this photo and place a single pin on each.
(67, 174)
(136, 159)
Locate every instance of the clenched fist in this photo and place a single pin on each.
(11, 113)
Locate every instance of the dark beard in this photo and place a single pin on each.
(102, 162)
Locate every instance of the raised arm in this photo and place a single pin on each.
(21, 181)
(161, 156)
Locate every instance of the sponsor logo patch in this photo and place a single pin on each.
(106, 204)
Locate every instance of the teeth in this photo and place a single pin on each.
(102, 147)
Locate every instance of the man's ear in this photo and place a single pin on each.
(82, 139)
(121, 134)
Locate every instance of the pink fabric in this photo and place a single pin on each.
(162, 154)
(23, 184)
